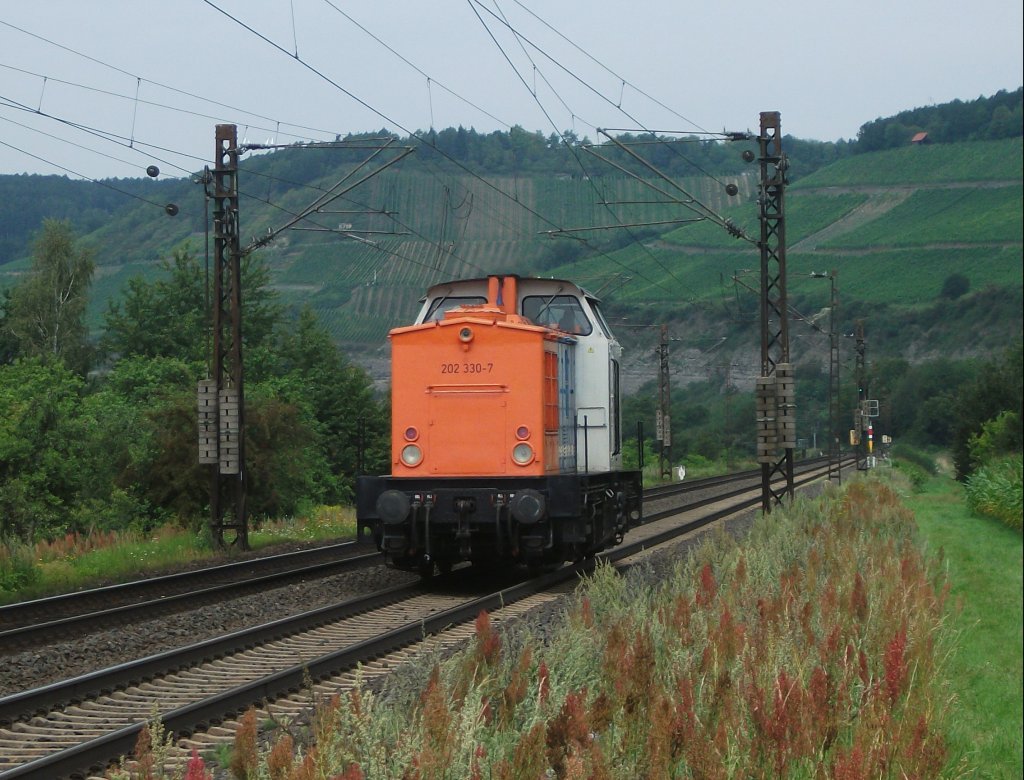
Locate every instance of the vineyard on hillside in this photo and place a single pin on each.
(425, 230)
(895, 225)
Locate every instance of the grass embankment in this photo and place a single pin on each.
(80, 561)
(984, 563)
(815, 649)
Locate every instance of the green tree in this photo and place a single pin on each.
(163, 317)
(285, 467)
(998, 437)
(8, 341)
(167, 316)
(954, 286)
(311, 417)
(41, 467)
(924, 398)
(1002, 124)
(286, 461)
(128, 419)
(47, 310)
(978, 411)
(350, 418)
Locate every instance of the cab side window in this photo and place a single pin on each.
(559, 312)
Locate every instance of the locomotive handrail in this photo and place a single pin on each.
(479, 389)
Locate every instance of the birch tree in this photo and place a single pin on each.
(47, 309)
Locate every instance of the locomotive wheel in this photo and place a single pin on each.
(537, 569)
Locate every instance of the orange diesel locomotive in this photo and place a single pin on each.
(505, 431)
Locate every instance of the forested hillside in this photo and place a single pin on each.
(925, 238)
(103, 330)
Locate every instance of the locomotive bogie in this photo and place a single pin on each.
(533, 521)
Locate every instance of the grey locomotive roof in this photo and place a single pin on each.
(432, 290)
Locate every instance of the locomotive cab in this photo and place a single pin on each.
(506, 434)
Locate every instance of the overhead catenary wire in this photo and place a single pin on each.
(413, 134)
(623, 81)
(700, 207)
(105, 135)
(365, 208)
(789, 307)
(572, 150)
(136, 100)
(131, 142)
(569, 72)
(376, 245)
(83, 147)
(330, 195)
(420, 71)
(691, 202)
(100, 182)
(162, 85)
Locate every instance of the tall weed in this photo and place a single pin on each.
(80, 560)
(811, 650)
(17, 567)
(997, 490)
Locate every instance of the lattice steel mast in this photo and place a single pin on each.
(221, 396)
(835, 460)
(776, 407)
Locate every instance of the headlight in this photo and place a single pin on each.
(522, 454)
(522, 432)
(411, 434)
(411, 455)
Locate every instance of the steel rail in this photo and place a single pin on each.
(187, 719)
(31, 623)
(33, 634)
(673, 488)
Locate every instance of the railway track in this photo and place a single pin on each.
(31, 623)
(68, 728)
(37, 622)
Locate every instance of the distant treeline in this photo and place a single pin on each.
(984, 119)
(519, 151)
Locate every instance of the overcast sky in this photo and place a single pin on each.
(121, 69)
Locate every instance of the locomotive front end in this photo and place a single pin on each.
(485, 443)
